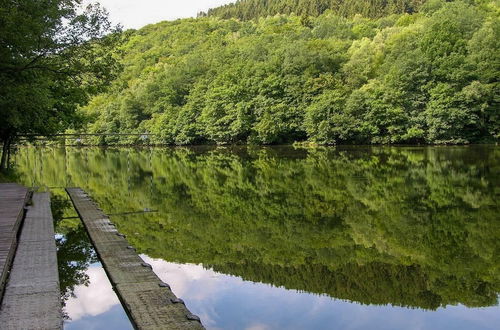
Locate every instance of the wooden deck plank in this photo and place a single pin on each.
(149, 304)
(13, 198)
(32, 297)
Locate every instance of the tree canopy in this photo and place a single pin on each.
(53, 56)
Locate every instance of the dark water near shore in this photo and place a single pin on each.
(284, 238)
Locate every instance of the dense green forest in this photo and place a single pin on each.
(404, 226)
(426, 77)
(252, 9)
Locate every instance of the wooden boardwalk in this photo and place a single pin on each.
(13, 197)
(148, 301)
(32, 296)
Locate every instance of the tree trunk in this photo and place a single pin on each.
(5, 152)
(9, 149)
(4, 157)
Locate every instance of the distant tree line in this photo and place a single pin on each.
(252, 9)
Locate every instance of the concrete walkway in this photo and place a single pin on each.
(32, 297)
(148, 301)
(13, 197)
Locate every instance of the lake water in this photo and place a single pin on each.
(285, 238)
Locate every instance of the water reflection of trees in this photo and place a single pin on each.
(74, 249)
(405, 226)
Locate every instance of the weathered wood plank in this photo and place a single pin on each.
(32, 296)
(13, 197)
(149, 303)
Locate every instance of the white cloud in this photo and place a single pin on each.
(258, 327)
(93, 300)
(186, 280)
(136, 14)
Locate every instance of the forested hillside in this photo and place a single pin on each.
(427, 77)
(251, 9)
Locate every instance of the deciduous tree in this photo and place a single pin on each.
(54, 54)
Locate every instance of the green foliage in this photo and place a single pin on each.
(411, 226)
(54, 54)
(430, 77)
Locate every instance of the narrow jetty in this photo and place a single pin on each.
(148, 301)
(32, 297)
(13, 197)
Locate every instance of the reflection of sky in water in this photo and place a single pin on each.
(95, 306)
(228, 302)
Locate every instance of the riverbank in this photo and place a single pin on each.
(304, 145)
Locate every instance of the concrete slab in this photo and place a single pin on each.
(149, 303)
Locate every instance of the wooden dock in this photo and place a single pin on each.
(148, 301)
(32, 297)
(13, 197)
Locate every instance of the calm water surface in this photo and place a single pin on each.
(284, 238)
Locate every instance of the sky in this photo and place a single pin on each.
(135, 14)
